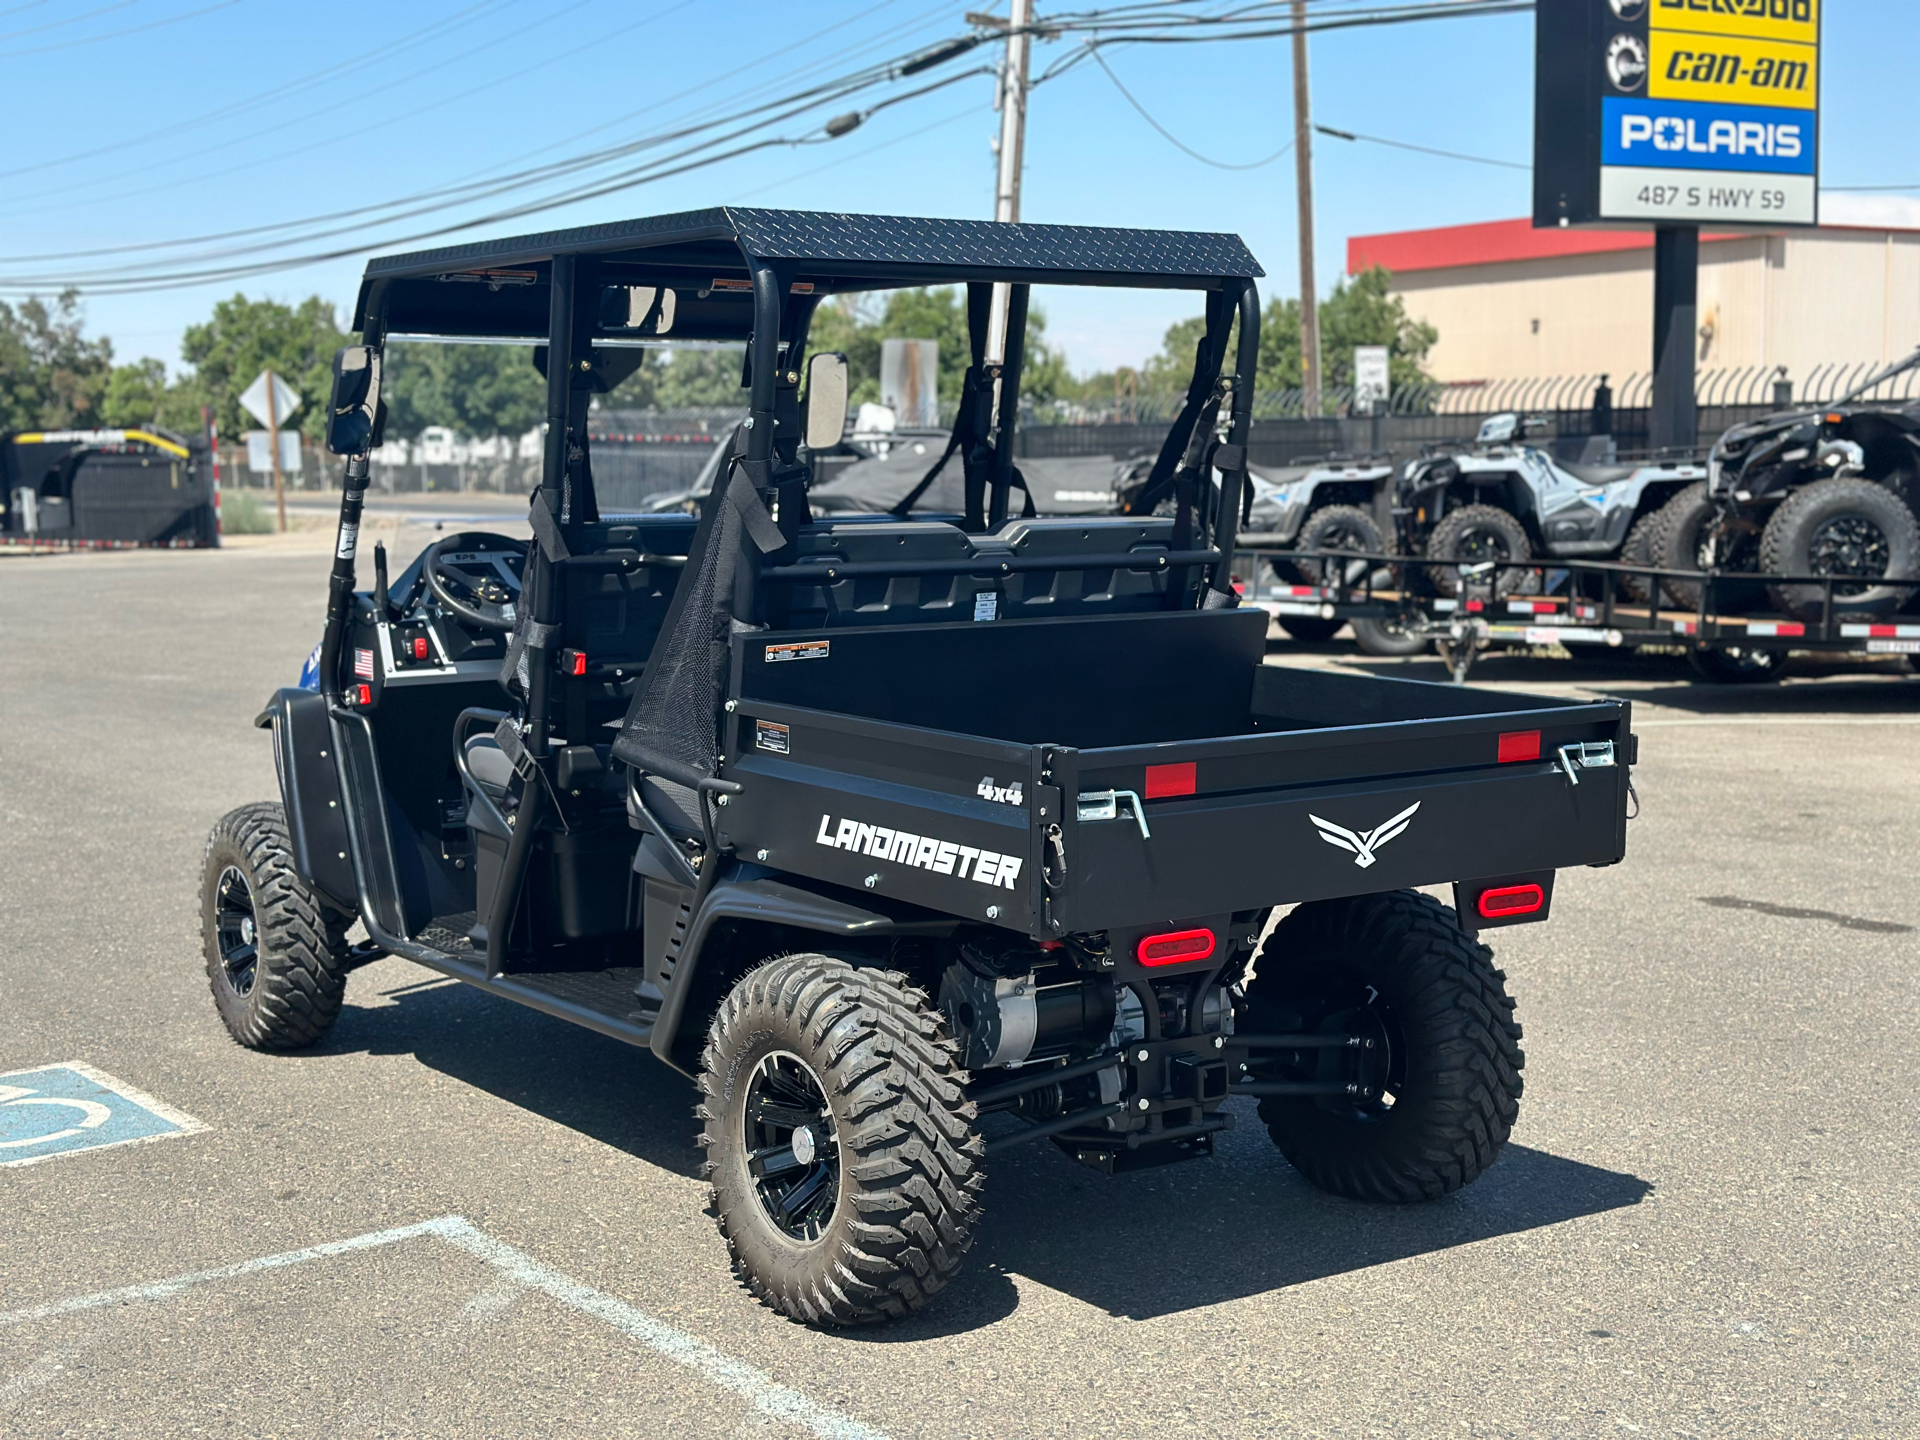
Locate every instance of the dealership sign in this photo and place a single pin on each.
(1684, 111)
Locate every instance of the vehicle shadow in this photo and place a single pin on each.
(1200, 1233)
(1246, 1223)
(605, 1089)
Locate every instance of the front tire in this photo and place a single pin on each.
(1401, 968)
(1842, 527)
(276, 953)
(1337, 527)
(1476, 533)
(841, 1148)
(1388, 637)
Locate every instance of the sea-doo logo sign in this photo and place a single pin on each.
(944, 857)
(1362, 843)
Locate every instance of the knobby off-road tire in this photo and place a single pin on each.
(891, 1150)
(276, 953)
(1738, 664)
(1475, 533)
(1842, 527)
(1679, 542)
(1388, 638)
(1337, 527)
(1398, 967)
(1638, 549)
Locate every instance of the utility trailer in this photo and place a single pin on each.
(1722, 619)
(909, 836)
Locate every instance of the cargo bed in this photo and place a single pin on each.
(1128, 771)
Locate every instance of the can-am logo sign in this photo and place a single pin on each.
(922, 852)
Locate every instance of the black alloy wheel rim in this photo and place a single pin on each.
(1343, 536)
(1478, 546)
(1381, 1068)
(793, 1153)
(1849, 545)
(236, 930)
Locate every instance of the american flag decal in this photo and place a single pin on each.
(363, 664)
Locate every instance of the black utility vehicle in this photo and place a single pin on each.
(910, 837)
(1821, 491)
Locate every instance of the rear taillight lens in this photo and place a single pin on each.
(1176, 948)
(1511, 900)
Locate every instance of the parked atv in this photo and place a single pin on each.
(1832, 491)
(1504, 500)
(910, 837)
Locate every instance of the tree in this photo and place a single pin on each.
(1361, 311)
(474, 390)
(245, 337)
(857, 326)
(51, 375)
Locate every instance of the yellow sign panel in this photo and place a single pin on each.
(1794, 20)
(1685, 66)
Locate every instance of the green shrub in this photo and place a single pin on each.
(241, 513)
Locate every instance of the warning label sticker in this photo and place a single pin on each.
(770, 735)
(800, 650)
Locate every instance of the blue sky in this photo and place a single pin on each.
(103, 106)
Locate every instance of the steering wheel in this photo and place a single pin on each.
(470, 575)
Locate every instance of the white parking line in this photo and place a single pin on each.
(765, 1393)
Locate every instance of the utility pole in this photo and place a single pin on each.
(1303, 171)
(1012, 153)
(273, 449)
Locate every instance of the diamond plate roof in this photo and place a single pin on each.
(884, 248)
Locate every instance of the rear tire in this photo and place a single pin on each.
(1386, 638)
(1841, 527)
(1680, 543)
(1738, 665)
(1399, 966)
(1311, 629)
(1337, 527)
(858, 1061)
(1639, 550)
(1475, 533)
(276, 953)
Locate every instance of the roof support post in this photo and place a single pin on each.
(1226, 525)
(559, 369)
(1009, 422)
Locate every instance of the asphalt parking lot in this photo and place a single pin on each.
(457, 1217)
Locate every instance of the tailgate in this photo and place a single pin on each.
(1310, 814)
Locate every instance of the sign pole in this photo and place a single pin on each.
(1674, 422)
(273, 450)
(1012, 148)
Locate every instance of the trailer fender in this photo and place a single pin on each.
(774, 902)
(310, 789)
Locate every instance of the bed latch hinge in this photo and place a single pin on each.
(1105, 805)
(1585, 755)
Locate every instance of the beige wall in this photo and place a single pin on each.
(1797, 299)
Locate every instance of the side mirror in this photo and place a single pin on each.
(825, 418)
(354, 409)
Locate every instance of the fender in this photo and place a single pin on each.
(748, 892)
(310, 789)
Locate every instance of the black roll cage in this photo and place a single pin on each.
(791, 260)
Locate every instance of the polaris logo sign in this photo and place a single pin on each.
(1706, 137)
(920, 852)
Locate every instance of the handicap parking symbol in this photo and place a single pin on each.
(66, 1108)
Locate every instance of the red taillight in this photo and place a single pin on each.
(1176, 948)
(1165, 781)
(1510, 900)
(1519, 745)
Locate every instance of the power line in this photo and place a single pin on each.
(1422, 149)
(122, 34)
(1173, 139)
